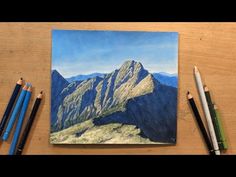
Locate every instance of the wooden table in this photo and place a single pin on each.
(25, 51)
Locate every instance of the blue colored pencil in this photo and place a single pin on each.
(15, 113)
(20, 122)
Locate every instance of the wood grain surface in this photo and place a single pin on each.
(25, 51)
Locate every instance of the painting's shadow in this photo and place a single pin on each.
(111, 146)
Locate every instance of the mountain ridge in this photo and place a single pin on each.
(81, 77)
(170, 79)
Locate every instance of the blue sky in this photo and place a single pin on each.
(83, 52)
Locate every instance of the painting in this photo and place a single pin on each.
(114, 87)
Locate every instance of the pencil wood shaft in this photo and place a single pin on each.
(206, 111)
(201, 126)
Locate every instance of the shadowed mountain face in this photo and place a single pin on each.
(60, 89)
(154, 113)
(58, 84)
(128, 95)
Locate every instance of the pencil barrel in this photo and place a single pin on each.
(201, 126)
(214, 120)
(206, 111)
(14, 115)
(9, 108)
(19, 124)
(222, 134)
(28, 127)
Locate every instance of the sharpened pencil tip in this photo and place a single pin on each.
(29, 88)
(215, 107)
(205, 88)
(28, 84)
(189, 95)
(20, 81)
(40, 95)
(25, 87)
(195, 69)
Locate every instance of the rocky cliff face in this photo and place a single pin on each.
(58, 84)
(154, 113)
(128, 95)
(60, 89)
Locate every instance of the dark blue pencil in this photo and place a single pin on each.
(15, 113)
(10, 105)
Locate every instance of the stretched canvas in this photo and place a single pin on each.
(114, 87)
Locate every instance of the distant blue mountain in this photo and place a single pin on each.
(168, 74)
(82, 77)
(167, 79)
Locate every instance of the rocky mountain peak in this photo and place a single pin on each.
(131, 65)
(59, 83)
(57, 76)
(130, 70)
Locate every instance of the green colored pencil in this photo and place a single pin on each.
(223, 138)
(213, 118)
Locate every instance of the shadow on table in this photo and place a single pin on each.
(111, 146)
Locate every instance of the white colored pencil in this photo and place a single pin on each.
(206, 110)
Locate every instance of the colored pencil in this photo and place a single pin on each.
(10, 105)
(206, 110)
(14, 113)
(200, 124)
(29, 124)
(213, 117)
(20, 122)
(222, 134)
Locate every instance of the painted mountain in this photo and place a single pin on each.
(126, 106)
